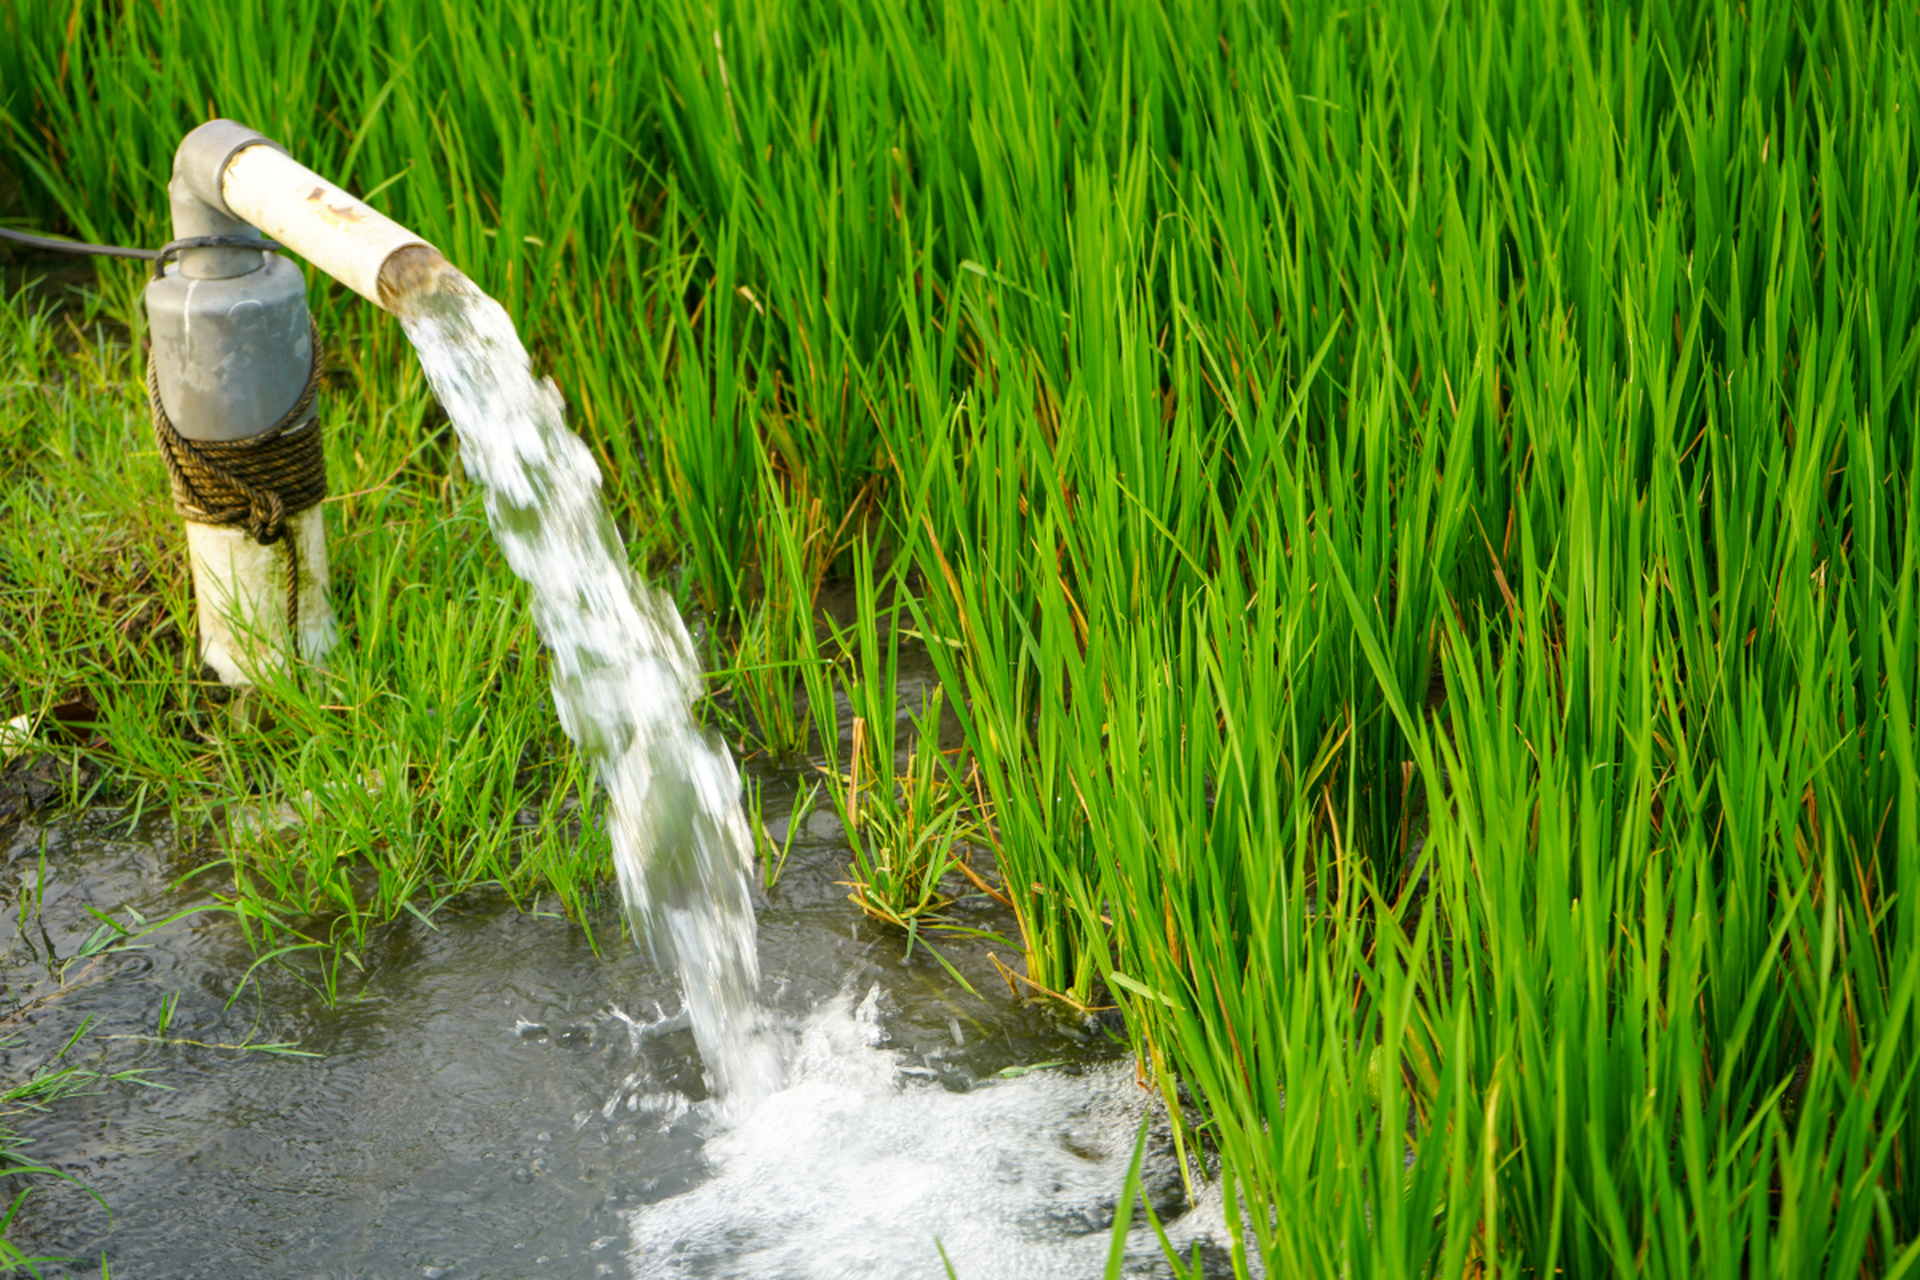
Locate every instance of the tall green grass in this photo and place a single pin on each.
(1412, 507)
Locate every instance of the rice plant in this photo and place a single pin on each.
(908, 819)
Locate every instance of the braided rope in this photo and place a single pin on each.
(258, 483)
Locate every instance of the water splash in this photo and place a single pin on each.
(624, 674)
(856, 1171)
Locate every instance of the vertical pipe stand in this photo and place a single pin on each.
(233, 365)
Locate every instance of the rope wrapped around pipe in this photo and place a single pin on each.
(257, 484)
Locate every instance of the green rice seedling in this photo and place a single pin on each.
(774, 856)
(1090, 711)
(761, 686)
(776, 112)
(776, 648)
(905, 845)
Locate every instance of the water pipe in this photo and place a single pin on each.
(234, 368)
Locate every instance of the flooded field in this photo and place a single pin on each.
(492, 1099)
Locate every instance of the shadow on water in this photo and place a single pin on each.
(495, 1100)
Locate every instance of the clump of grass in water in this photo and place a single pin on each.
(624, 672)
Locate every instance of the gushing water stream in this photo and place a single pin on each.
(1011, 1180)
(624, 675)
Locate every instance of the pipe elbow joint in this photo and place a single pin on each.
(200, 208)
(201, 161)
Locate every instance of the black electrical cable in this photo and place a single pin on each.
(158, 257)
(76, 246)
(168, 250)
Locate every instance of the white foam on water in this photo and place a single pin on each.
(624, 674)
(853, 1171)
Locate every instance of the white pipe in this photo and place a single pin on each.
(338, 233)
(240, 587)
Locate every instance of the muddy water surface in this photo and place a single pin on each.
(490, 1098)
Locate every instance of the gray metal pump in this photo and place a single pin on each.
(233, 353)
(232, 343)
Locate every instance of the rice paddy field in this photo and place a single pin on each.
(1410, 509)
